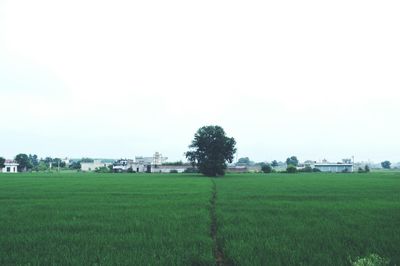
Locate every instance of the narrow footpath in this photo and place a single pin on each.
(218, 253)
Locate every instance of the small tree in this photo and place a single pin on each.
(274, 163)
(292, 161)
(210, 150)
(291, 169)
(366, 169)
(266, 168)
(386, 164)
(244, 161)
(2, 162)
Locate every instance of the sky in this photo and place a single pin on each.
(119, 79)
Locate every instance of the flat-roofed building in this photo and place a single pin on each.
(10, 166)
(334, 167)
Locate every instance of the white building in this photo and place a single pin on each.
(88, 167)
(157, 159)
(345, 166)
(123, 165)
(10, 167)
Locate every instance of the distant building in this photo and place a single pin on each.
(237, 169)
(66, 160)
(10, 166)
(157, 159)
(169, 168)
(344, 166)
(88, 167)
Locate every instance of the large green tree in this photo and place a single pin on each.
(23, 161)
(210, 150)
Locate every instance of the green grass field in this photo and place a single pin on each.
(166, 219)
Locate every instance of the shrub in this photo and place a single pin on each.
(173, 171)
(102, 170)
(291, 169)
(360, 170)
(316, 170)
(306, 169)
(266, 168)
(371, 260)
(130, 170)
(366, 169)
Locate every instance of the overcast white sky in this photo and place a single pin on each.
(316, 79)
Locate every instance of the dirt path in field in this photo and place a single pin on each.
(218, 254)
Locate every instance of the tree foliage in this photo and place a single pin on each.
(291, 169)
(266, 168)
(210, 150)
(386, 164)
(2, 161)
(23, 161)
(292, 161)
(274, 163)
(244, 161)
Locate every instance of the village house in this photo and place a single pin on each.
(345, 166)
(91, 166)
(10, 166)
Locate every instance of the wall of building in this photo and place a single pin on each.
(10, 168)
(88, 167)
(334, 168)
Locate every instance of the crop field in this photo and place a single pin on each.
(178, 219)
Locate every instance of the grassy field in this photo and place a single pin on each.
(139, 219)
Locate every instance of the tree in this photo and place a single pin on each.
(210, 150)
(292, 161)
(386, 164)
(266, 168)
(366, 169)
(274, 163)
(2, 161)
(87, 160)
(75, 165)
(58, 162)
(244, 161)
(291, 169)
(23, 161)
(33, 159)
(42, 166)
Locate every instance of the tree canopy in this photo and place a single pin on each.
(292, 161)
(2, 161)
(23, 161)
(210, 150)
(386, 164)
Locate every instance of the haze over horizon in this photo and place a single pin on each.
(112, 79)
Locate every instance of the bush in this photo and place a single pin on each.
(371, 260)
(306, 169)
(366, 169)
(130, 170)
(173, 171)
(316, 170)
(291, 169)
(266, 168)
(102, 170)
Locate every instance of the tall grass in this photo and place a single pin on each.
(309, 219)
(89, 219)
(165, 219)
